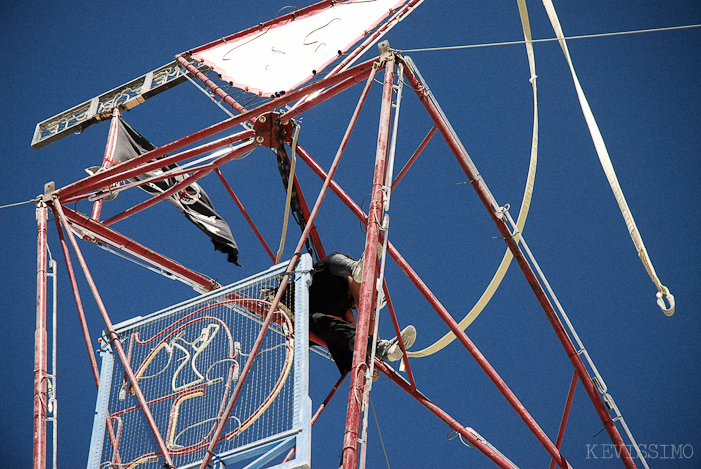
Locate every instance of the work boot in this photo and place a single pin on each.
(389, 350)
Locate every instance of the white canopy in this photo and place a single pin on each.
(283, 56)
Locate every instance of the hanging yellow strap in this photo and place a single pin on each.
(523, 212)
(290, 185)
(605, 160)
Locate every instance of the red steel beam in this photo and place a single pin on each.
(78, 303)
(243, 211)
(565, 415)
(367, 286)
(413, 158)
(498, 218)
(398, 335)
(58, 211)
(114, 174)
(40, 342)
(485, 449)
(125, 244)
(283, 284)
(199, 174)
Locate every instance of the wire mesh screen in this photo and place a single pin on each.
(187, 361)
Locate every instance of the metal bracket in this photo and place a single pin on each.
(386, 53)
(273, 130)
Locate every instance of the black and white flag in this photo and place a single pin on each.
(192, 202)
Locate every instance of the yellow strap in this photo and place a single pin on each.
(606, 164)
(290, 185)
(522, 215)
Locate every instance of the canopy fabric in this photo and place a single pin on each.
(287, 54)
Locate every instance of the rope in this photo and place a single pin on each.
(533, 41)
(523, 212)
(606, 164)
(20, 203)
(288, 201)
(382, 442)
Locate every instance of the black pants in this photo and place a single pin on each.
(339, 336)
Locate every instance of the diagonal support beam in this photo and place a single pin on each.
(123, 243)
(465, 432)
(58, 212)
(565, 415)
(497, 215)
(114, 175)
(285, 280)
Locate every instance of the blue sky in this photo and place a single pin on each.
(644, 92)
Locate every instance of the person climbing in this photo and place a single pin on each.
(334, 291)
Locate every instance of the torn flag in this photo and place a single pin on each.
(193, 202)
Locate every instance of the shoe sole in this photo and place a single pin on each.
(408, 337)
(358, 270)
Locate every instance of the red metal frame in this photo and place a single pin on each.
(497, 458)
(494, 211)
(40, 341)
(367, 286)
(329, 87)
(245, 214)
(565, 415)
(58, 212)
(276, 300)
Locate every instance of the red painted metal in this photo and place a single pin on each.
(40, 342)
(212, 86)
(285, 280)
(108, 158)
(265, 136)
(440, 310)
(58, 211)
(273, 130)
(367, 286)
(115, 174)
(78, 303)
(413, 158)
(245, 214)
(565, 415)
(494, 211)
(199, 174)
(127, 169)
(398, 335)
(84, 327)
(125, 244)
(495, 457)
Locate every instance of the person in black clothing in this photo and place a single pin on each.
(332, 295)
